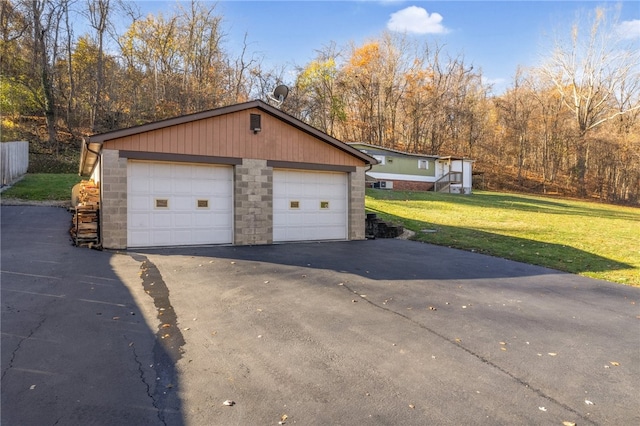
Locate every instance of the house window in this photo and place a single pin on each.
(202, 204)
(162, 203)
(324, 205)
(294, 204)
(423, 164)
(380, 159)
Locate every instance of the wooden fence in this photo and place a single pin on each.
(14, 161)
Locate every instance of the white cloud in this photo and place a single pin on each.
(629, 29)
(416, 20)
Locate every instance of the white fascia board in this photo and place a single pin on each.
(398, 176)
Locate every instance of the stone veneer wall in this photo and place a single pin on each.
(113, 203)
(253, 203)
(357, 218)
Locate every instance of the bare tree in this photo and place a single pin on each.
(45, 23)
(98, 13)
(588, 71)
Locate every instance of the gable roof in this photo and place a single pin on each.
(374, 149)
(93, 144)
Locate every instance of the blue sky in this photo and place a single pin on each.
(495, 36)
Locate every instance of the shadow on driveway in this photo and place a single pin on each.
(76, 348)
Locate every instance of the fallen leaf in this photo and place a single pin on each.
(412, 406)
(115, 318)
(568, 424)
(32, 387)
(166, 325)
(586, 401)
(284, 417)
(266, 282)
(614, 363)
(552, 354)
(354, 301)
(503, 343)
(169, 386)
(233, 263)
(542, 409)
(431, 308)
(229, 403)
(458, 340)
(186, 328)
(503, 349)
(165, 336)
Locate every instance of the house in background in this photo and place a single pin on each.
(417, 172)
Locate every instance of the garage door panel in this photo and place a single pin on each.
(140, 235)
(138, 203)
(160, 237)
(203, 220)
(160, 185)
(322, 205)
(182, 203)
(139, 186)
(183, 221)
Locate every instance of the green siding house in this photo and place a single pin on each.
(417, 172)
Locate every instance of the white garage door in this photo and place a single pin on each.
(309, 206)
(172, 204)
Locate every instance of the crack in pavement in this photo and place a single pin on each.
(169, 341)
(481, 358)
(19, 345)
(136, 359)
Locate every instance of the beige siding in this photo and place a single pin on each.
(230, 136)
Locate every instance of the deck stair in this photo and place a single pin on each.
(444, 183)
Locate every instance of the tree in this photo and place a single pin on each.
(317, 87)
(516, 108)
(589, 71)
(98, 13)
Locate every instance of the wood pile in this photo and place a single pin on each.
(85, 226)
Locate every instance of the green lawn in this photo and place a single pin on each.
(43, 187)
(591, 239)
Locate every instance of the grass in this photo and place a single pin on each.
(591, 239)
(43, 187)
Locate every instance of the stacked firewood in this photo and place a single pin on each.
(85, 226)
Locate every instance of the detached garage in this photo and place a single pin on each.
(242, 174)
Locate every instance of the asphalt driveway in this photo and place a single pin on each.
(369, 332)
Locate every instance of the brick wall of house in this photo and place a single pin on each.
(403, 185)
